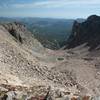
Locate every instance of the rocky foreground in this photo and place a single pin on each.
(28, 71)
(8, 92)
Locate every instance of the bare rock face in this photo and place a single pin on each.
(86, 32)
(17, 46)
(16, 29)
(22, 35)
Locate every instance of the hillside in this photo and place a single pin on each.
(52, 33)
(25, 63)
(84, 46)
(30, 70)
(86, 32)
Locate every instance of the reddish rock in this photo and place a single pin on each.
(86, 98)
(73, 98)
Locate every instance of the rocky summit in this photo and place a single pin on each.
(29, 71)
(86, 32)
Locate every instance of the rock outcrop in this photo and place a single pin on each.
(17, 46)
(86, 32)
(21, 34)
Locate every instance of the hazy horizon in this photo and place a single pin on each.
(63, 9)
(42, 17)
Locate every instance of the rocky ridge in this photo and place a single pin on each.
(86, 32)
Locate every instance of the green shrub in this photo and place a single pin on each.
(60, 58)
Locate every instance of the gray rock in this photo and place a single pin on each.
(3, 89)
(96, 98)
(11, 95)
(66, 98)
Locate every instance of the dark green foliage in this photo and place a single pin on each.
(60, 59)
(52, 33)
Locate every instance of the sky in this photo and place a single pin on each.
(68, 9)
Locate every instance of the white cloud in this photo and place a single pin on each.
(55, 3)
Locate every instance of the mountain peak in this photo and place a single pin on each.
(87, 32)
(93, 17)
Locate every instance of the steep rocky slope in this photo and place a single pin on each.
(24, 62)
(16, 45)
(86, 32)
(22, 35)
(31, 70)
(83, 53)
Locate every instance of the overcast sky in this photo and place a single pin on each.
(49, 8)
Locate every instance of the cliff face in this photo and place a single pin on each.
(86, 32)
(21, 34)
